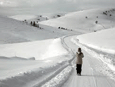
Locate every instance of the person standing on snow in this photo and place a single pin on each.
(79, 62)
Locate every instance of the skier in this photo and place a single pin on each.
(79, 55)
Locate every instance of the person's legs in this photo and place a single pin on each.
(80, 66)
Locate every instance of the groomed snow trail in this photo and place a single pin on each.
(91, 71)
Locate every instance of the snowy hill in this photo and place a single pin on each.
(88, 20)
(18, 38)
(25, 50)
(41, 57)
(13, 31)
(29, 17)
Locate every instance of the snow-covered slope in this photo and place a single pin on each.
(30, 53)
(34, 57)
(102, 40)
(13, 31)
(88, 20)
(33, 50)
(29, 17)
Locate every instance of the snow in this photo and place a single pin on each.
(59, 79)
(102, 40)
(45, 57)
(23, 17)
(25, 49)
(77, 21)
(55, 49)
(34, 49)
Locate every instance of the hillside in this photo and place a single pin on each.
(86, 20)
(13, 31)
(44, 54)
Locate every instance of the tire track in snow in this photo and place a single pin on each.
(55, 81)
(59, 72)
(94, 80)
(59, 79)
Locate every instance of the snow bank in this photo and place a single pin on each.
(59, 79)
(26, 49)
(55, 49)
(36, 75)
(103, 40)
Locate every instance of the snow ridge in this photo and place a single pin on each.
(67, 48)
(58, 80)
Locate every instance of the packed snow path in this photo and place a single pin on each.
(91, 71)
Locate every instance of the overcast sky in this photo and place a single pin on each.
(19, 3)
(59, 5)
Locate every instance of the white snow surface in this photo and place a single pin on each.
(34, 57)
(77, 21)
(33, 49)
(23, 17)
(102, 40)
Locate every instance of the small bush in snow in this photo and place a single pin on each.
(96, 22)
(62, 28)
(104, 13)
(38, 19)
(34, 24)
(58, 15)
(46, 18)
(31, 22)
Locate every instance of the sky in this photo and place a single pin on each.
(57, 5)
(18, 3)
